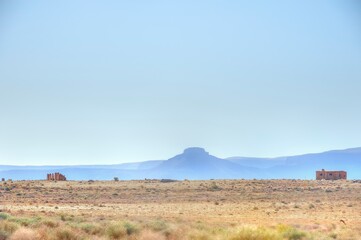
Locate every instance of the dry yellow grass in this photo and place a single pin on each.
(24, 234)
(214, 209)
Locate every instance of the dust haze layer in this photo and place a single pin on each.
(197, 164)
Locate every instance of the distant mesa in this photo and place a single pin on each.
(194, 152)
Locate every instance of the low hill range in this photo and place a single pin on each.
(197, 164)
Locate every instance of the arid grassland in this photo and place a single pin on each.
(196, 210)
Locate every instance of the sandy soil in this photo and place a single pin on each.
(309, 205)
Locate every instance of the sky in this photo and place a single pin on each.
(104, 82)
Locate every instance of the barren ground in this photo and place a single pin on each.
(312, 206)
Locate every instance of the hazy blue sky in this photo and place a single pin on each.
(118, 81)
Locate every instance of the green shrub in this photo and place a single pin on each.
(294, 234)
(116, 231)
(131, 228)
(3, 216)
(26, 222)
(290, 233)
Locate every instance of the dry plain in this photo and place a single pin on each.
(150, 209)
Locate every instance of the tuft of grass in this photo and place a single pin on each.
(333, 235)
(50, 223)
(66, 234)
(26, 222)
(295, 234)
(290, 233)
(116, 231)
(131, 228)
(158, 226)
(120, 230)
(150, 235)
(255, 233)
(214, 187)
(24, 234)
(7, 227)
(91, 229)
(66, 218)
(3, 235)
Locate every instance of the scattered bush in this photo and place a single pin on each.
(333, 235)
(131, 228)
(290, 233)
(3, 216)
(50, 223)
(214, 187)
(167, 180)
(65, 234)
(116, 231)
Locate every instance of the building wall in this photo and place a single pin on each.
(55, 177)
(331, 175)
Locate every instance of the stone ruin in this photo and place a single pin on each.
(55, 177)
(330, 175)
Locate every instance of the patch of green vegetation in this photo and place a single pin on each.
(158, 225)
(116, 231)
(26, 222)
(131, 228)
(4, 216)
(291, 233)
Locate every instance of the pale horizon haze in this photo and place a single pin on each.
(107, 82)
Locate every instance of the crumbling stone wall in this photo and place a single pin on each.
(55, 177)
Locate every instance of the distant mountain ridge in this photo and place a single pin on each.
(196, 163)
